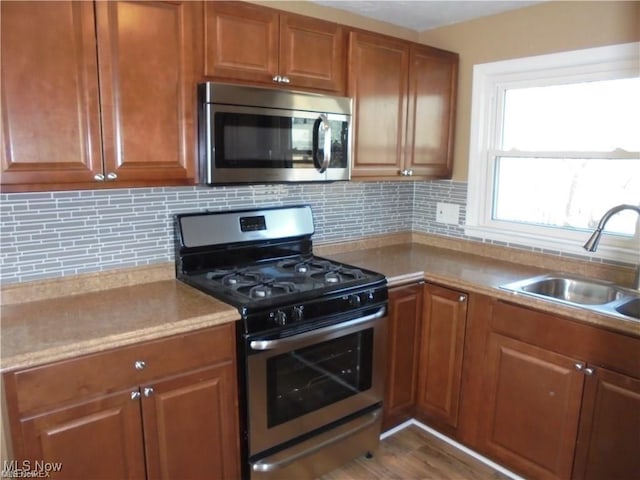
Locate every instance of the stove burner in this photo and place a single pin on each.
(268, 289)
(301, 268)
(220, 272)
(244, 279)
(332, 277)
(306, 266)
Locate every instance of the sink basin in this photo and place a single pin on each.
(581, 292)
(597, 296)
(630, 308)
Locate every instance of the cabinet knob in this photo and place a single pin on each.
(98, 177)
(135, 395)
(139, 364)
(285, 80)
(112, 176)
(409, 173)
(579, 366)
(148, 391)
(462, 298)
(277, 78)
(589, 371)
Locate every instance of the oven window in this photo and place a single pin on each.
(301, 381)
(267, 141)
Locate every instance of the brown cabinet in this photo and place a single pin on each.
(166, 409)
(404, 106)
(73, 119)
(425, 351)
(552, 398)
(251, 43)
(535, 394)
(431, 107)
(440, 359)
(405, 313)
(609, 432)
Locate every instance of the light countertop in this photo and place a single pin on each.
(49, 329)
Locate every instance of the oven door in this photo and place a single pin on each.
(300, 383)
(254, 144)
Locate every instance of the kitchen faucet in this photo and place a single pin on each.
(592, 244)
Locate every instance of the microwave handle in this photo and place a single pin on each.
(321, 122)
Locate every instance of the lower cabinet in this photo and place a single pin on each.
(405, 312)
(560, 399)
(444, 318)
(179, 420)
(425, 351)
(545, 396)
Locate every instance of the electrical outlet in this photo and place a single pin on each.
(447, 213)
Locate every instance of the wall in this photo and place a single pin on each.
(550, 27)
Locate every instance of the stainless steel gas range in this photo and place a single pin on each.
(311, 337)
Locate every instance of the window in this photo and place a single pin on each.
(555, 143)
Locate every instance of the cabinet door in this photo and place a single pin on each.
(312, 53)
(441, 351)
(609, 438)
(191, 425)
(97, 439)
(378, 68)
(534, 397)
(147, 87)
(405, 310)
(431, 112)
(241, 41)
(49, 95)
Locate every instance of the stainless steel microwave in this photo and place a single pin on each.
(260, 135)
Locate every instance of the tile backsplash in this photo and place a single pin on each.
(53, 234)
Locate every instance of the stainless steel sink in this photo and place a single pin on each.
(581, 292)
(594, 295)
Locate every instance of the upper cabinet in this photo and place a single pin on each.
(103, 94)
(404, 108)
(433, 80)
(123, 117)
(250, 43)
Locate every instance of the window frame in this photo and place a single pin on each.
(490, 80)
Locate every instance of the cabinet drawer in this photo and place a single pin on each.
(66, 380)
(594, 345)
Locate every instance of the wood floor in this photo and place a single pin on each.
(413, 454)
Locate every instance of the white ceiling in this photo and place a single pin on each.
(423, 15)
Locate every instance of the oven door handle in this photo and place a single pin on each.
(278, 342)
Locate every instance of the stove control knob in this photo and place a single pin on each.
(280, 318)
(354, 301)
(297, 314)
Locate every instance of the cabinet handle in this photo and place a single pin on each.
(148, 391)
(139, 364)
(112, 176)
(135, 395)
(578, 366)
(277, 78)
(409, 173)
(285, 80)
(99, 177)
(589, 371)
(462, 298)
